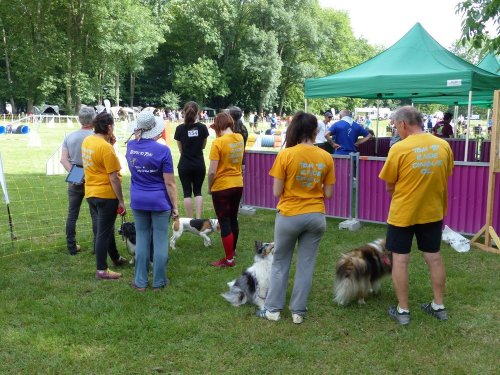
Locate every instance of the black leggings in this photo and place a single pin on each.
(226, 206)
(192, 180)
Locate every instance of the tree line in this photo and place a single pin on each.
(252, 53)
(157, 52)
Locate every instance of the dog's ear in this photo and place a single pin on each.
(258, 245)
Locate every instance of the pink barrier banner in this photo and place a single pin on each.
(258, 185)
(467, 191)
(467, 195)
(373, 200)
(458, 147)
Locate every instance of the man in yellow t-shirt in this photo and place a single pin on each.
(416, 174)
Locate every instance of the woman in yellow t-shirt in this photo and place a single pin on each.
(103, 191)
(225, 183)
(303, 177)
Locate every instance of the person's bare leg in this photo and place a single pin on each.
(188, 205)
(400, 278)
(198, 203)
(438, 275)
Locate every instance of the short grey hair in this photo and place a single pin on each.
(86, 115)
(345, 112)
(408, 114)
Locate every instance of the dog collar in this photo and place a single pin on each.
(386, 260)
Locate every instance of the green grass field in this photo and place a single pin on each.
(56, 318)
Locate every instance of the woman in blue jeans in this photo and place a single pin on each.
(153, 199)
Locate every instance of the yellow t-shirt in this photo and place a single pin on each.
(99, 160)
(304, 170)
(419, 166)
(228, 150)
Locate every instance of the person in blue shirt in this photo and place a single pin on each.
(345, 134)
(274, 121)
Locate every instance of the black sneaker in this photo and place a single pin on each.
(439, 314)
(402, 318)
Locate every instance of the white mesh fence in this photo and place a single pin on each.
(38, 202)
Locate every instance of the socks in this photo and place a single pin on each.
(228, 243)
(235, 238)
(436, 306)
(402, 311)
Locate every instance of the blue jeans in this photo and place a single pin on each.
(151, 225)
(75, 198)
(104, 212)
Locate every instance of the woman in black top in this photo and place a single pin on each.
(191, 139)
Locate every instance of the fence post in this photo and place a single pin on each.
(353, 224)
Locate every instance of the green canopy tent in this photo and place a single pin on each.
(490, 63)
(415, 66)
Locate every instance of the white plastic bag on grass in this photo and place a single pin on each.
(456, 240)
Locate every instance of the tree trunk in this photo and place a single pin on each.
(7, 70)
(69, 55)
(100, 78)
(78, 103)
(29, 106)
(69, 101)
(117, 89)
(132, 89)
(282, 100)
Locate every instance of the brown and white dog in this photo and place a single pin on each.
(360, 272)
(200, 227)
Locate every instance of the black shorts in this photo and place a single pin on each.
(192, 180)
(428, 236)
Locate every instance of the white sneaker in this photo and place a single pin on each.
(274, 316)
(297, 319)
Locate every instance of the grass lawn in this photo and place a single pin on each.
(56, 318)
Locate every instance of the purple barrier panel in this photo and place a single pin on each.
(458, 147)
(258, 185)
(496, 206)
(467, 193)
(339, 204)
(383, 146)
(485, 152)
(373, 200)
(367, 148)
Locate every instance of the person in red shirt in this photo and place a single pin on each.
(443, 128)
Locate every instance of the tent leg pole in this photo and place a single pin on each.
(467, 134)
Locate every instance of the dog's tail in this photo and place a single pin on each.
(235, 296)
(346, 291)
(176, 224)
(348, 283)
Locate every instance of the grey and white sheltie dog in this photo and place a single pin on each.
(360, 272)
(253, 284)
